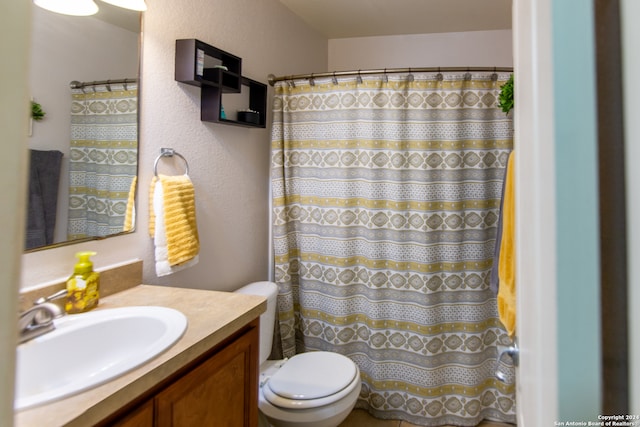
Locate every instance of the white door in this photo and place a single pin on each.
(556, 209)
(536, 398)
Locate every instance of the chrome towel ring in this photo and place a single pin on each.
(169, 152)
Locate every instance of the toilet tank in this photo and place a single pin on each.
(268, 290)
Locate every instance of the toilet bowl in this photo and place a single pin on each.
(314, 389)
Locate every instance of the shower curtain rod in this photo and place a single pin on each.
(79, 85)
(273, 79)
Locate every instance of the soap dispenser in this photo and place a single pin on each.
(83, 286)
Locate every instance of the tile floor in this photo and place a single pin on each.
(361, 418)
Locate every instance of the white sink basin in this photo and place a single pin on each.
(86, 350)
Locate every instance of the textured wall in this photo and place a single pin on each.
(14, 43)
(461, 49)
(229, 165)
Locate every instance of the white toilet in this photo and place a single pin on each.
(314, 389)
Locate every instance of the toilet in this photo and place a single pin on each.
(314, 389)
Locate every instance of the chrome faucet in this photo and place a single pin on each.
(61, 293)
(38, 320)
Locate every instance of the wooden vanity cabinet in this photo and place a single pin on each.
(221, 389)
(139, 417)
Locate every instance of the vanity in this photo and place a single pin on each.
(208, 377)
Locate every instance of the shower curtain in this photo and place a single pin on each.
(103, 158)
(386, 193)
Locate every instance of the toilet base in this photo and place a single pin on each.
(263, 421)
(331, 422)
(311, 420)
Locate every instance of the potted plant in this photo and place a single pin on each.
(37, 113)
(505, 99)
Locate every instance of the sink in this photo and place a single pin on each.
(89, 349)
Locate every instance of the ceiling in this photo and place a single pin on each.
(365, 18)
(124, 18)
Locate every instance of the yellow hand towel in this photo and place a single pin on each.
(507, 261)
(174, 228)
(130, 214)
(152, 213)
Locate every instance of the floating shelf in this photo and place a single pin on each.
(217, 72)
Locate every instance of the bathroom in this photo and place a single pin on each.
(170, 117)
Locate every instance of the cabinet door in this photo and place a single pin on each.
(140, 417)
(221, 392)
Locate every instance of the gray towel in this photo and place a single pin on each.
(494, 280)
(44, 176)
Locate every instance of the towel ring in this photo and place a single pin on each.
(169, 152)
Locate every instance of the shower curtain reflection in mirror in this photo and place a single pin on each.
(103, 160)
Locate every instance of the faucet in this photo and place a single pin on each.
(61, 293)
(38, 320)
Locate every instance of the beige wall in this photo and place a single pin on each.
(229, 165)
(14, 45)
(462, 49)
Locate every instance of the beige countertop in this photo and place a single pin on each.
(212, 317)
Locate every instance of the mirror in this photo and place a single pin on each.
(84, 152)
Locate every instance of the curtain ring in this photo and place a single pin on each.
(312, 82)
(494, 76)
(359, 78)
(410, 76)
(108, 85)
(334, 79)
(439, 76)
(386, 77)
(125, 84)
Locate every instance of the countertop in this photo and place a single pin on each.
(213, 316)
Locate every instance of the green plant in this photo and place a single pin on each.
(37, 113)
(505, 100)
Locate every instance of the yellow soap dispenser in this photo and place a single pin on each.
(83, 287)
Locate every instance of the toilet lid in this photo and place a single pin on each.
(313, 375)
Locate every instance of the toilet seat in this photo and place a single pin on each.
(310, 380)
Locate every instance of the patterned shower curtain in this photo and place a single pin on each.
(103, 158)
(386, 194)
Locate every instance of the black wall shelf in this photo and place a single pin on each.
(216, 72)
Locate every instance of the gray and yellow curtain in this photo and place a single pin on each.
(386, 192)
(103, 158)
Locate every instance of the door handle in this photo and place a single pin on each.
(512, 351)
